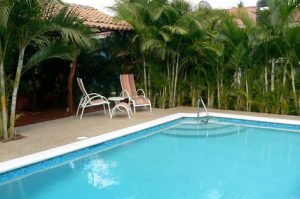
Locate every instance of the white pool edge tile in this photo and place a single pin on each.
(57, 151)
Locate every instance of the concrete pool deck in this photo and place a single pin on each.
(50, 134)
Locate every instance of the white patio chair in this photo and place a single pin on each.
(90, 99)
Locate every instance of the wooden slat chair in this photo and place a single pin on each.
(90, 99)
(129, 90)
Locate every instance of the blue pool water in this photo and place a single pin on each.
(221, 159)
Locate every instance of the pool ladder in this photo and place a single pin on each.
(198, 110)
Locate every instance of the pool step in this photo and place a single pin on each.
(202, 126)
(203, 132)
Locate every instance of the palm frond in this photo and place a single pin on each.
(154, 45)
(5, 8)
(165, 36)
(215, 47)
(175, 29)
(156, 12)
(54, 50)
(71, 27)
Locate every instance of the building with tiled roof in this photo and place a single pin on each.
(98, 20)
(251, 11)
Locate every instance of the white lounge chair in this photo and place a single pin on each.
(90, 99)
(129, 90)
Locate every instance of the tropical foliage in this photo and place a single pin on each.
(181, 54)
(30, 32)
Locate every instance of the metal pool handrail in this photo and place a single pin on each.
(198, 107)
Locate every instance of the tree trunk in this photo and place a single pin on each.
(222, 96)
(149, 84)
(238, 77)
(273, 76)
(1, 129)
(70, 87)
(145, 77)
(3, 103)
(247, 95)
(283, 87)
(171, 97)
(193, 90)
(175, 80)
(284, 74)
(219, 94)
(240, 85)
(293, 73)
(169, 79)
(15, 93)
(210, 96)
(163, 105)
(266, 78)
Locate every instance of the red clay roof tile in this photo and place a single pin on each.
(97, 19)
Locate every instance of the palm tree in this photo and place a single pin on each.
(137, 14)
(40, 25)
(159, 29)
(209, 53)
(5, 8)
(275, 26)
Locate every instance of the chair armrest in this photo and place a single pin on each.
(124, 93)
(104, 98)
(141, 90)
(95, 96)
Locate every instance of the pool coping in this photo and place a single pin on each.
(64, 149)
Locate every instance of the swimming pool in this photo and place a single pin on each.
(184, 158)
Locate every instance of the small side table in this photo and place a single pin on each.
(116, 100)
(120, 106)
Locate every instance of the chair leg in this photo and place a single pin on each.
(128, 113)
(82, 112)
(104, 109)
(113, 112)
(108, 109)
(117, 107)
(150, 108)
(77, 110)
(79, 105)
(110, 114)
